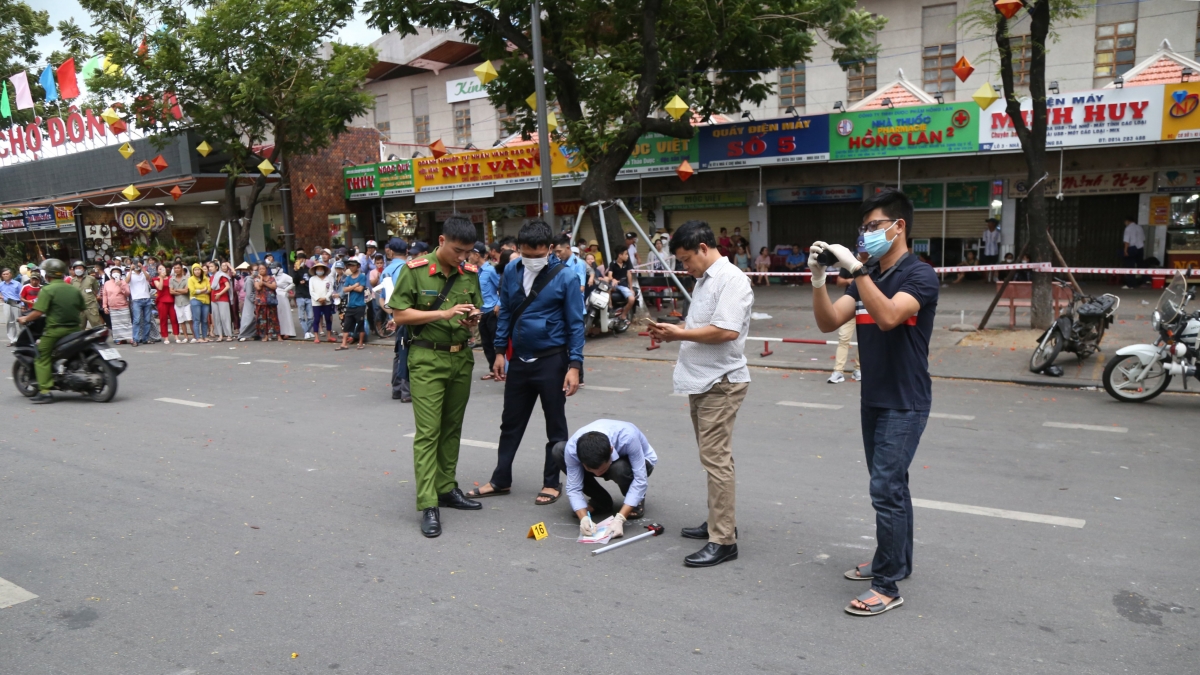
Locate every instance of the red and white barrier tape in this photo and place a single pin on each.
(1034, 267)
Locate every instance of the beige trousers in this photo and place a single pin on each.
(713, 415)
(845, 337)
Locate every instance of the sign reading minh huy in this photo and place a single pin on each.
(495, 166)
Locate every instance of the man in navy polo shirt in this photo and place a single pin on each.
(892, 299)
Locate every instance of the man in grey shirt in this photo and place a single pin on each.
(712, 371)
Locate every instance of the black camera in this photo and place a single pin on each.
(827, 258)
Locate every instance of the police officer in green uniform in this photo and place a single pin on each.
(62, 304)
(90, 287)
(440, 317)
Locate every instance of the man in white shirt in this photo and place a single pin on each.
(712, 371)
(631, 246)
(991, 247)
(141, 305)
(1134, 247)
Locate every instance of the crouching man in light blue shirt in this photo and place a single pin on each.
(615, 451)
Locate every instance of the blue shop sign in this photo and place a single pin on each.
(778, 141)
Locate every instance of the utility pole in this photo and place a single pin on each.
(539, 79)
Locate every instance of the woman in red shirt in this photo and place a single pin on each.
(165, 303)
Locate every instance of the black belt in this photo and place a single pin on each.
(553, 351)
(439, 346)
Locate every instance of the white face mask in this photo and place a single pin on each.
(536, 264)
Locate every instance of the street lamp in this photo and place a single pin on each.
(392, 158)
(1054, 87)
(939, 97)
(837, 105)
(747, 116)
(791, 109)
(1119, 83)
(1186, 75)
(887, 102)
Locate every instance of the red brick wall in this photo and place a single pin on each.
(324, 170)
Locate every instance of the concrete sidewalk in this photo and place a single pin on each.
(996, 354)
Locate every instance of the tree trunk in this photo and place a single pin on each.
(601, 185)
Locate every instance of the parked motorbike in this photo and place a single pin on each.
(1141, 372)
(1078, 329)
(83, 362)
(600, 318)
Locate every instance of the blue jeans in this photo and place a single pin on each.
(141, 310)
(200, 319)
(890, 438)
(304, 311)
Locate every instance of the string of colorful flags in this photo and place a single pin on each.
(60, 83)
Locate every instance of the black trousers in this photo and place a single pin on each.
(400, 364)
(487, 333)
(619, 472)
(523, 386)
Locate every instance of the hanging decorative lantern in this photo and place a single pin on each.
(144, 167)
(310, 190)
(963, 69)
(486, 72)
(266, 167)
(159, 163)
(131, 193)
(684, 171)
(551, 121)
(109, 116)
(985, 96)
(204, 148)
(1009, 8)
(126, 150)
(437, 148)
(118, 127)
(176, 193)
(532, 101)
(676, 107)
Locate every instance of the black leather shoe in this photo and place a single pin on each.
(700, 532)
(42, 397)
(712, 554)
(455, 499)
(431, 522)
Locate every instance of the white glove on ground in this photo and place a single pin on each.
(846, 257)
(617, 526)
(817, 269)
(586, 527)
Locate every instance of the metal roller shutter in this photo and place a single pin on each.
(805, 223)
(716, 218)
(928, 225)
(965, 223)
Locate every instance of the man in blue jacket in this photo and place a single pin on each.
(541, 314)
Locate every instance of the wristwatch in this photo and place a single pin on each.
(860, 272)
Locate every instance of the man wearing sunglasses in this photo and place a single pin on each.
(892, 299)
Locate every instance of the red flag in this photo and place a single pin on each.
(172, 105)
(67, 86)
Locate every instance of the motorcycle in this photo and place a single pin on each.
(1078, 329)
(600, 318)
(1141, 372)
(83, 362)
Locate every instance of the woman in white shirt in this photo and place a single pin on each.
(320, 288)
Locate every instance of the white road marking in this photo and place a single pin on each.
(818, 406)
(179, 353)
(680, 395)
(1086, 427)
(231, 358)
(948, 416)
(466, 441)
(178, 401)
(378, 370)
(12, 594)
(592, 387)
(325, 365)
(999, 513)
(269, 361)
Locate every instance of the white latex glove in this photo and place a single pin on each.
(617, 527)
(846, 257)
(586, 527)
(817, 269)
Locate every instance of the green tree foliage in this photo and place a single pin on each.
(613, 64)
(1039, 17)
(250, 77)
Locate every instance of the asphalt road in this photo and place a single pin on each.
(162, 538)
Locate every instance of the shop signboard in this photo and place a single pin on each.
(64, 218)
(1179, 181)
(1160, 210)
(361, 182)
(1091, 183)
(656, 153)
(1093, 117)
(711, 200)
(924, 195)
(785, 140)
(465, 89)
(1181, 111)
(972, 195)
(40, 218)
(395, 178)
(904, 132)
(492, 167)
(77, 131)
(12, 220)
(828, 193)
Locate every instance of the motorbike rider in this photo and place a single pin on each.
(62, 304)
